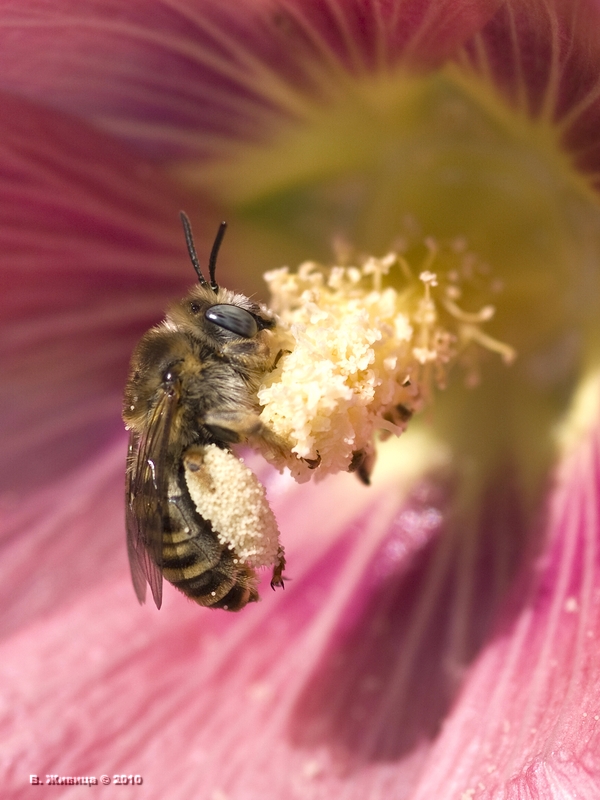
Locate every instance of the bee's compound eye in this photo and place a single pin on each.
(234, 319)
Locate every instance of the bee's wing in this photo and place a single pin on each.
(146, 498)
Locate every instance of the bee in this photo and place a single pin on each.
(192, 386)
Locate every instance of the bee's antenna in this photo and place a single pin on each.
(212, 262)
(189, 239)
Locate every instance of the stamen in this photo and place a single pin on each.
(365, 347)
(475, 334)
(485, 314)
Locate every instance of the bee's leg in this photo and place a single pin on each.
(312, 463)
(399, 414)
(253, 352)
(278, 358)
(362, 463)
(278, 567)
(235, 426)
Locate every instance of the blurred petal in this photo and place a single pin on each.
(184, 697)
(527, 724)
(58, 540)
(379, 672)
(542, 56)
(91, 250)
(339, 684)
(184, 77)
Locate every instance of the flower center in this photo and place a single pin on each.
(453, 158)
(358, 356)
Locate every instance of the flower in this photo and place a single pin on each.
(437, 636)
(363, 358)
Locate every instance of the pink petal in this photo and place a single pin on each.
(184, 78)
(527, 724)
(543, 56)
(336, 686)
(91, 249)
(346, 684)
(106, 686)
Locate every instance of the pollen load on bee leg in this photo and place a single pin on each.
(230, 497)
(196, 563)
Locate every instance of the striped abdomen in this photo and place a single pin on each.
(197, 564)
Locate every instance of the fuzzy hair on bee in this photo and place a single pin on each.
(191, 394)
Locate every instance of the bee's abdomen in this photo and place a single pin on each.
(198, 566)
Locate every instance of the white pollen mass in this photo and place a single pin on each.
(358, 358)
(229, 496)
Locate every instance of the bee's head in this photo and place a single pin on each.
(211, 311)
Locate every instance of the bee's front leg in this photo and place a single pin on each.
(238, 426)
